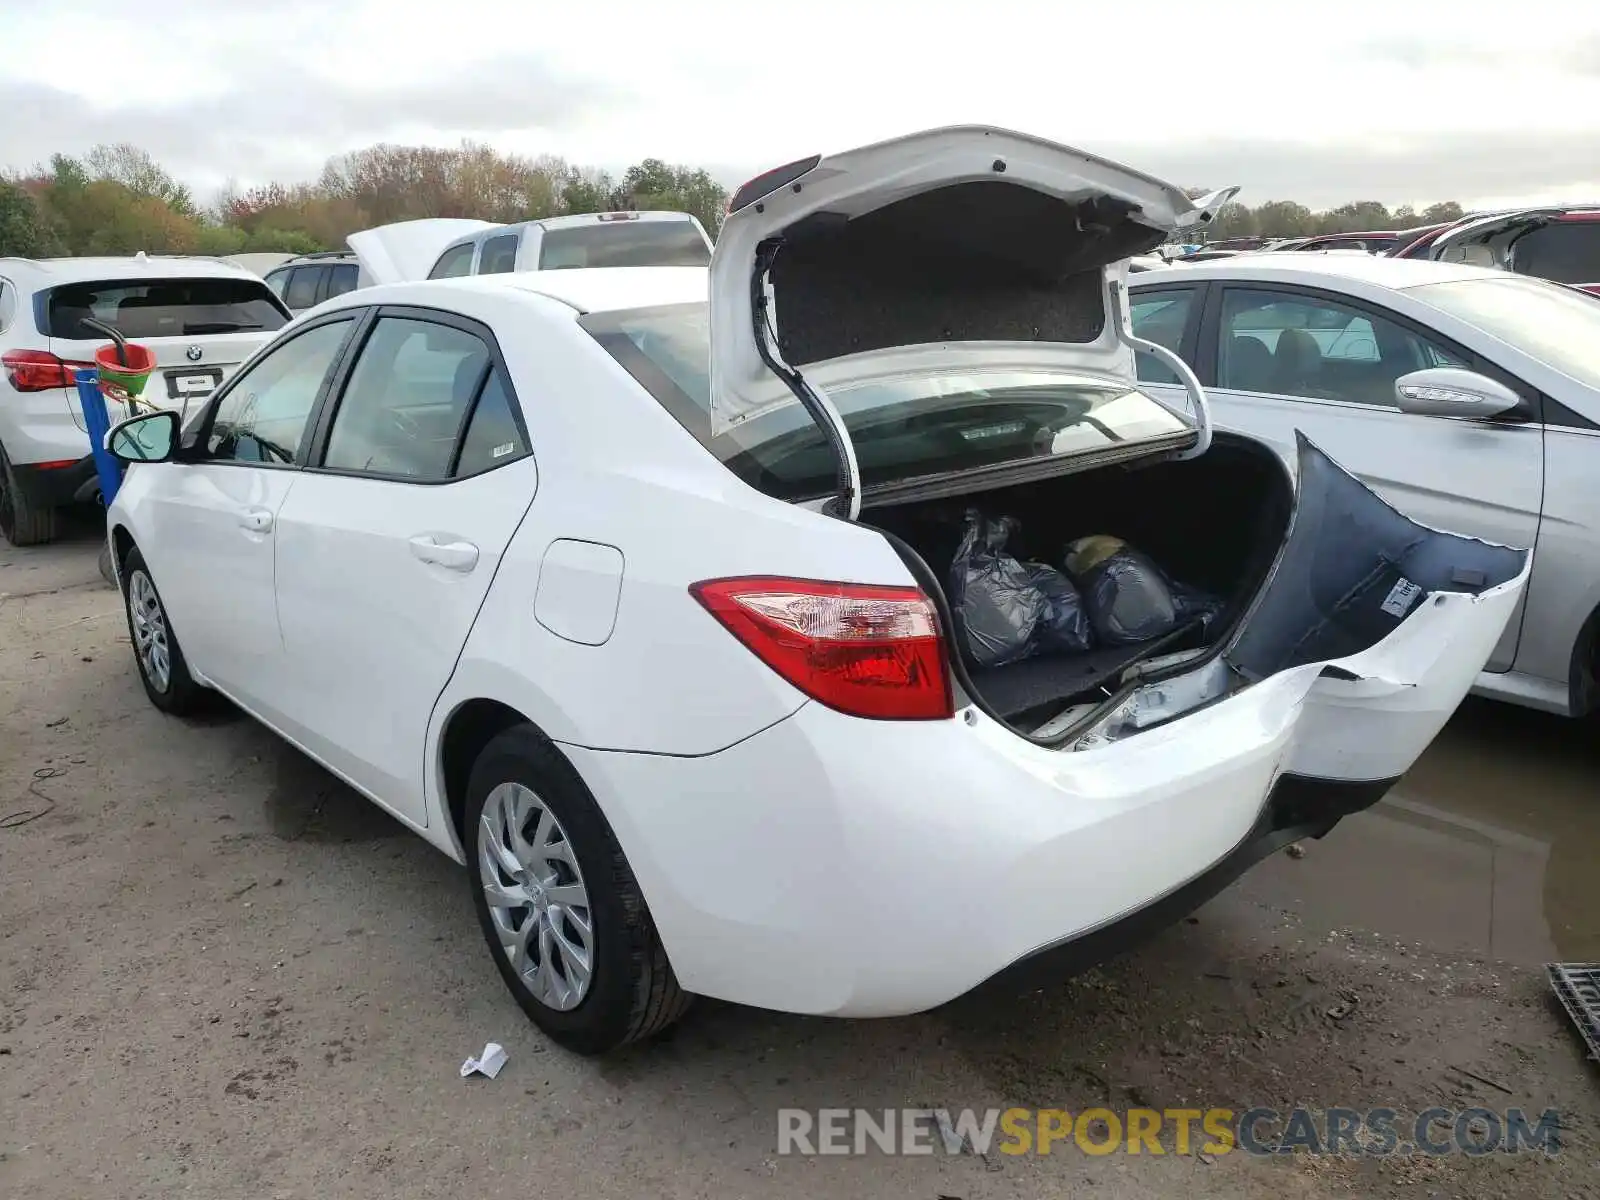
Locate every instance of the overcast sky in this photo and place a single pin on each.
(1399, 102)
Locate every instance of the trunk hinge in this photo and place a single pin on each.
(846, 502)
(1191, 385)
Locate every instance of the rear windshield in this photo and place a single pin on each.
(152, 308)
(901, 430)
(624, 244)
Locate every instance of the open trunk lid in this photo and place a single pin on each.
(949, 252)
(406, 250)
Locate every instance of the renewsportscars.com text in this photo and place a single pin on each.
(1374, 1132)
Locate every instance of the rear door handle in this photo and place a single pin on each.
(452, 556)
(257, 520)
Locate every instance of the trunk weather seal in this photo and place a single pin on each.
(846, 501)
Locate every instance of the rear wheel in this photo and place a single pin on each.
(162, 667)
(559, 906)
(22, 522)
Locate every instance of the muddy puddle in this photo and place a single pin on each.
(1491, 846)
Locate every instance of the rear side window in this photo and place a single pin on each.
(302, 289)
(453, 263)
(499, 255)
(624, 244)
(413, 390)
(341, 279)
(1565, 251)
(8, 303)
(278, 281)
(493, 436)
(162, 308)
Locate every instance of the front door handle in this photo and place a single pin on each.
(452, 556)
(257, 520)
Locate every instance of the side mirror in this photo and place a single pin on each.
(148, 437)
(1453, 392)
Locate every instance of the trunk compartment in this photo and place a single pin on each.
(1316, 574)
(1214, 523)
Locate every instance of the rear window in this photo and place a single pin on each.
(162, 308)
(624, 244)
(901, 430)
(1565, 251)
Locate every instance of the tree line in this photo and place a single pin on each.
(117, 199)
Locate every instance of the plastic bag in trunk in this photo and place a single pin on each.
(1010, 610)
(1128, 597)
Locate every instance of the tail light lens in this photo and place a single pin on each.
(864, 650)
(39, 370)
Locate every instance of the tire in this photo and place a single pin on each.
(579, 871)
(22, 523)
(172, 690)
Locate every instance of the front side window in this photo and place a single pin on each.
(262, 417)
(1160, 317)
(404, 405)
(453, 263)
(1316, 349)
(901, 430)
(499, 255)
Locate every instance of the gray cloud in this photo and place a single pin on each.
(278, 121)
(1579, 55)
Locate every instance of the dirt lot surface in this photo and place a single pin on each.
(224, 974)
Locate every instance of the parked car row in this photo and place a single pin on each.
(437, 531)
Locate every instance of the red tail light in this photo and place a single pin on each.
(864, 650)
(38, 370)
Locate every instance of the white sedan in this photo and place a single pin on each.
(1467, 397)
(628, 589)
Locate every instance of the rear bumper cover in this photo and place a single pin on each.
(1299, 807)
(53, 487)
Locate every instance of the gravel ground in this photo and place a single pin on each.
(224, 974)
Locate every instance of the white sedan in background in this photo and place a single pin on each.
(623, 598)
(1467, 397)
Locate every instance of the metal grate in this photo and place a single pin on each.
(1577, 986)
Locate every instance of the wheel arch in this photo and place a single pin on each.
(1585, 682)
(470, 726)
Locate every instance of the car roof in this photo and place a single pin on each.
(1311, 265)
(584, 289)
(53, 271)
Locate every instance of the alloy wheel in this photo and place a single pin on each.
(150, 640)
(536, 896)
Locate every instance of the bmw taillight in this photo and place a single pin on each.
(38, 370)
(865, 650)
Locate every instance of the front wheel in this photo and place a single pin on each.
(559, 906)
(162, 667)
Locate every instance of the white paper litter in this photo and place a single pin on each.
(488, 1063)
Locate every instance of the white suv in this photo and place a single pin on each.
(201, 317)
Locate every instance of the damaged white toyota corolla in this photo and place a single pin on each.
(669, 619)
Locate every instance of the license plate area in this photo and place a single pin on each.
(193, 383)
